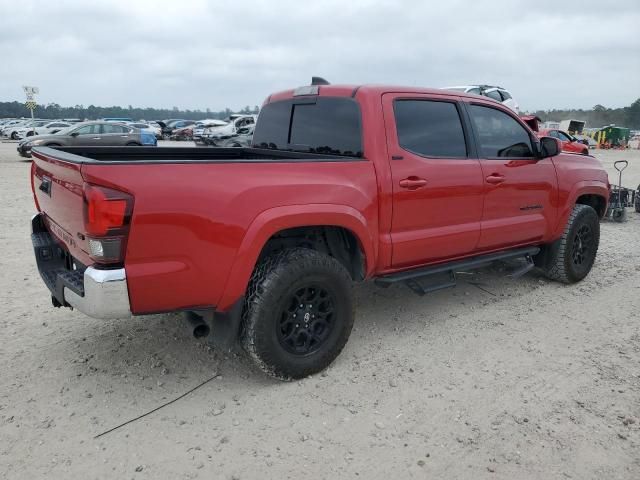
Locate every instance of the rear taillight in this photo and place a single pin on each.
(33, 185)
(107, 215)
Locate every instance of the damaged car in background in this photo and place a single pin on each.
(216, 135)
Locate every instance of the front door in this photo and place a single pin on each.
(437, 184)
(519, 206)
(87, 135)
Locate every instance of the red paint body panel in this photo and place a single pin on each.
(190, 220)
(198, 228)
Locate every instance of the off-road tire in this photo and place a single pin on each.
(559, 262)
(275, 282)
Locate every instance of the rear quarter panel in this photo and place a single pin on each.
(190, 220)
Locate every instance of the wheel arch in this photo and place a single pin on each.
(592, 193)
(338, 223)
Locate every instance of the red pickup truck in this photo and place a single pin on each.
(342, 184)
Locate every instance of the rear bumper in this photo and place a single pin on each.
(92, 291)
(105, 294)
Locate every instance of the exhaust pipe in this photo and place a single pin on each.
(199, 328)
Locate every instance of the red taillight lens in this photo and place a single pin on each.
(107, 214)
(106, 211)
(33, 184)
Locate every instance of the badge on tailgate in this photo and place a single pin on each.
(60, 233)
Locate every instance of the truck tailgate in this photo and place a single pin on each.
(57, 187)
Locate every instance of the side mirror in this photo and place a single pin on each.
(549, 147)
(74, 134)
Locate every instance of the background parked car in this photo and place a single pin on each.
(182, 133)
(569, 143)
(201, 126)
(42, 127)
(12, 130)
(171, 125)
(242, 138)
(117, 119)
(215, 135)
(90, 134)
(152, 128)
(499, 94)
(11, 123)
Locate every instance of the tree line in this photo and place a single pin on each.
(92, 112)
(598, 116)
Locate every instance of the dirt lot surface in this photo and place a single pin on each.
(495, 379)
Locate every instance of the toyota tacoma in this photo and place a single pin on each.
(342, 184)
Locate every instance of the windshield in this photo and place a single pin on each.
(326, 125)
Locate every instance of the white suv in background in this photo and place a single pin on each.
(499, 94)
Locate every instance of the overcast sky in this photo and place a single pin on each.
(217, 54)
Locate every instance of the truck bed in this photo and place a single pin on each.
(141, 155)
(196, 209)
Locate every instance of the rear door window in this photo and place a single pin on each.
(113, 129)
(430, 129)
(499, 135)
(326, 125)
(88, 130)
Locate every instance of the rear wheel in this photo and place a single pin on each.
(298, 313)
(133, 144)
(570, 258)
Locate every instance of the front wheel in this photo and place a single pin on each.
(298, 313)
(570, 258)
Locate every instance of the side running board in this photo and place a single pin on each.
(413, 278)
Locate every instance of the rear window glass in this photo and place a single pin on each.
(329, 126)
(431, 129)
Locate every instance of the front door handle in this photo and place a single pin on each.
(413, 183)
(495, 178)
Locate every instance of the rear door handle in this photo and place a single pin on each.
(413, 183)
(495, 178)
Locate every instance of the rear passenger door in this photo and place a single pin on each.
(520, 189)
(437, 182)
(115, 135)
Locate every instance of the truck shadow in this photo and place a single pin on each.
(156, 350)
(130, 367)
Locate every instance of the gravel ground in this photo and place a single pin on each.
(495, 379)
